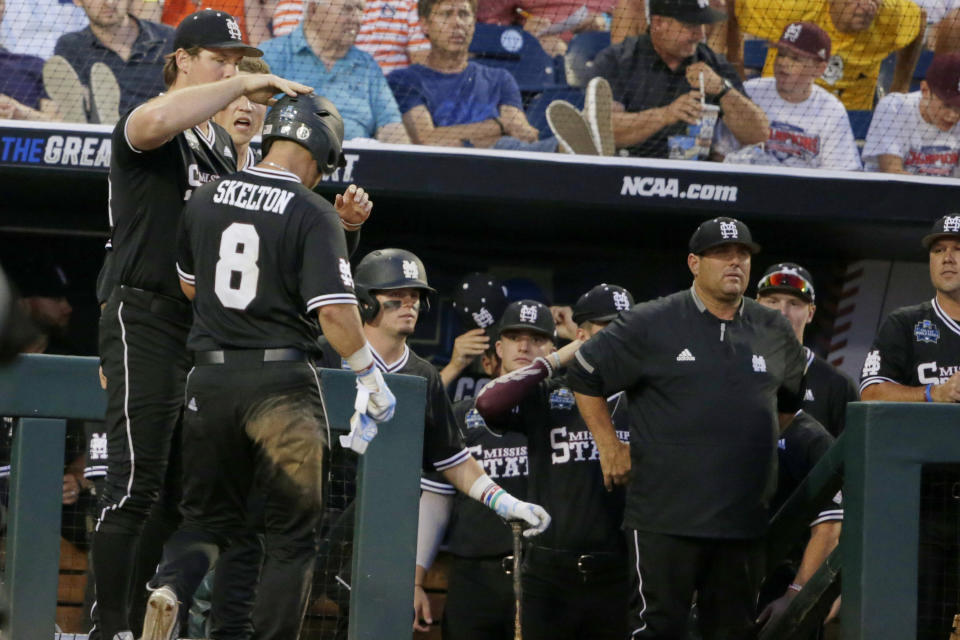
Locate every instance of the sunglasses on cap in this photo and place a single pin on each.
(783, 280)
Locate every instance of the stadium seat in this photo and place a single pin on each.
(517, 51)
(754, 56)
(537, 109)
(920, 71)
(581, 51)
(860, 123)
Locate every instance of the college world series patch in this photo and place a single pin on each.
(926, 331)
(562, 399)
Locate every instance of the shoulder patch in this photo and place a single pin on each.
(926, 331)
(562, 398)
(474, 420)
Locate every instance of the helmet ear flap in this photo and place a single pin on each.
(368, 303)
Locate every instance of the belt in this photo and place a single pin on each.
(504, 562)
(586, 564)
(248, 356)
(153, 301)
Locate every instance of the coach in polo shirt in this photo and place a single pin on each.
(706, 372)
(655, 79)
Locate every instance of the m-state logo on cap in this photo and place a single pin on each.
(234, 29)
(528, 313)
(728, 230)
(793, 32)
(951, 224)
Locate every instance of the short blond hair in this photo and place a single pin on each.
(253, 65)
(170, 65)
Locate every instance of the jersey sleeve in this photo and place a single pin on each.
(611, 361)
(185, 268)
(443, 446)
(122, 148)
(325, 277)
(434, 482)
(888, 356)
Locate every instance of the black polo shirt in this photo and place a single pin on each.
(827, 394)
(641, 80)
(703, 396)
(140, 78)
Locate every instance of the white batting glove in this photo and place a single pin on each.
(374, 398)
(362, 430)
(533, 514)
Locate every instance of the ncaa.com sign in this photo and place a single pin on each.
(650, 187)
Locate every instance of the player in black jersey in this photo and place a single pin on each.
(788, 288)
(916, 358)
(162, 151)
(243, 118)
(258, 251)
(709, 374)
(575, 578)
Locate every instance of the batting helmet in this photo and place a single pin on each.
(311, 121)
(387, 269)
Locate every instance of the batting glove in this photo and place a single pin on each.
(362, 430)
(533, 514)
(374, 398)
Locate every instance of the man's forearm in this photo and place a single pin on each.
(824, 538)
(892, 392)
(463, 475)
(907, 61)
(480, 134)
(342, 328)
(596, 414)
(633, 128)
(394, 133)
(746, 121)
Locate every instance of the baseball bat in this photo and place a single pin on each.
(517, 528)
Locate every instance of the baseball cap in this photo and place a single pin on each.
(717, 231)
(943, 77)
(42, 281)
(212, 29)
(805, 39)
(528, 315)
(948, 225)
(602, 304)
(479, 301)
(689, 11)
(787, 277)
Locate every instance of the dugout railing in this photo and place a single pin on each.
(42, 392)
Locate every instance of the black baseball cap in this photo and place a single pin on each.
(718, 231)
(948, 225)
(787, 277)
(602, 304)
(212, 29)
(689, 11)
(42, 280)
(528, 315)
(479, 301)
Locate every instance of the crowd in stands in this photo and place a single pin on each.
(832, 84)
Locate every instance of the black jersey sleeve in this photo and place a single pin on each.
(185, 267)
(443, 445)
(325, 277)
(122, 148)
(611, 361)
(888, 358)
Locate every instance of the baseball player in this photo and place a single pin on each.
(788, 288)
(575, 578)
(257, 251)
(243, 118)
(916, 358)
(708, 375)
(162, 151)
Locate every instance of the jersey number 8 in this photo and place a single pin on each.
(237, 273)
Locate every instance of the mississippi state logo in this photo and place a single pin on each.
(926, 331)
(562, 399)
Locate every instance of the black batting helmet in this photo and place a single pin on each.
(311, 121)
(386, 269)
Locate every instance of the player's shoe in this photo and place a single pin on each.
(161, 620)
(570, 129)
(106, 94)
(64, 87)
(597, 111)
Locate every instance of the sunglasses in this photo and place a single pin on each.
(786, 281)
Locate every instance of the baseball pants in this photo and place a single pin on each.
(480, 600)
(666, 570)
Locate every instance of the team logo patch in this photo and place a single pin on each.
(191, 139)
(234, 29)
(285, 130)
(303, 132)
(528, 313)
(759, 364)
(562, 398)
(345, 276)
(951, 224)
(474, 420)
(926, 331)
(483, 318)
(620, 301)
(267, 129)
(834, 70)
(728, 230)
(98, 446)
(871, 364)
(289, 112)
(793, 32)
(410, 270)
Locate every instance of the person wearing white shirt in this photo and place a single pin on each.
(917, 132)
(808, 126)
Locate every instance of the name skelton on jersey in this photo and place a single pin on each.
(915, 346)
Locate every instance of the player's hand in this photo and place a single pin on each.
(374, 398)
(533, 514)
(362, 430)
(563, 318)
(71, 489)
(9, 108)
(615, 463)
(686, 108)
(949, 391)
(261, 87)
(468, 346)
(103, 378)
(712, 82)
(421, 609)
(772, 612)
(353, 206)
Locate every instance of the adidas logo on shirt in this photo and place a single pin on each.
(685, 356)
(192, 405)
(808, 397)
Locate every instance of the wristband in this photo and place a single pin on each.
(361, 360)
(926, 393)
(351, 226)
(795, 587)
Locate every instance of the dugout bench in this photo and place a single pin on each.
(43, 391)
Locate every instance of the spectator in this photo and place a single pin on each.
(452, 101)
(131, 48)
(940, 13)
(917, 132)
(553, 22)
(243, 118)
(808, 126)
(33, 26)
(253, 16)
(320, 52)
(390, 32)
(630, 19)
(863, 33)
(22, 96)
(655, 79)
